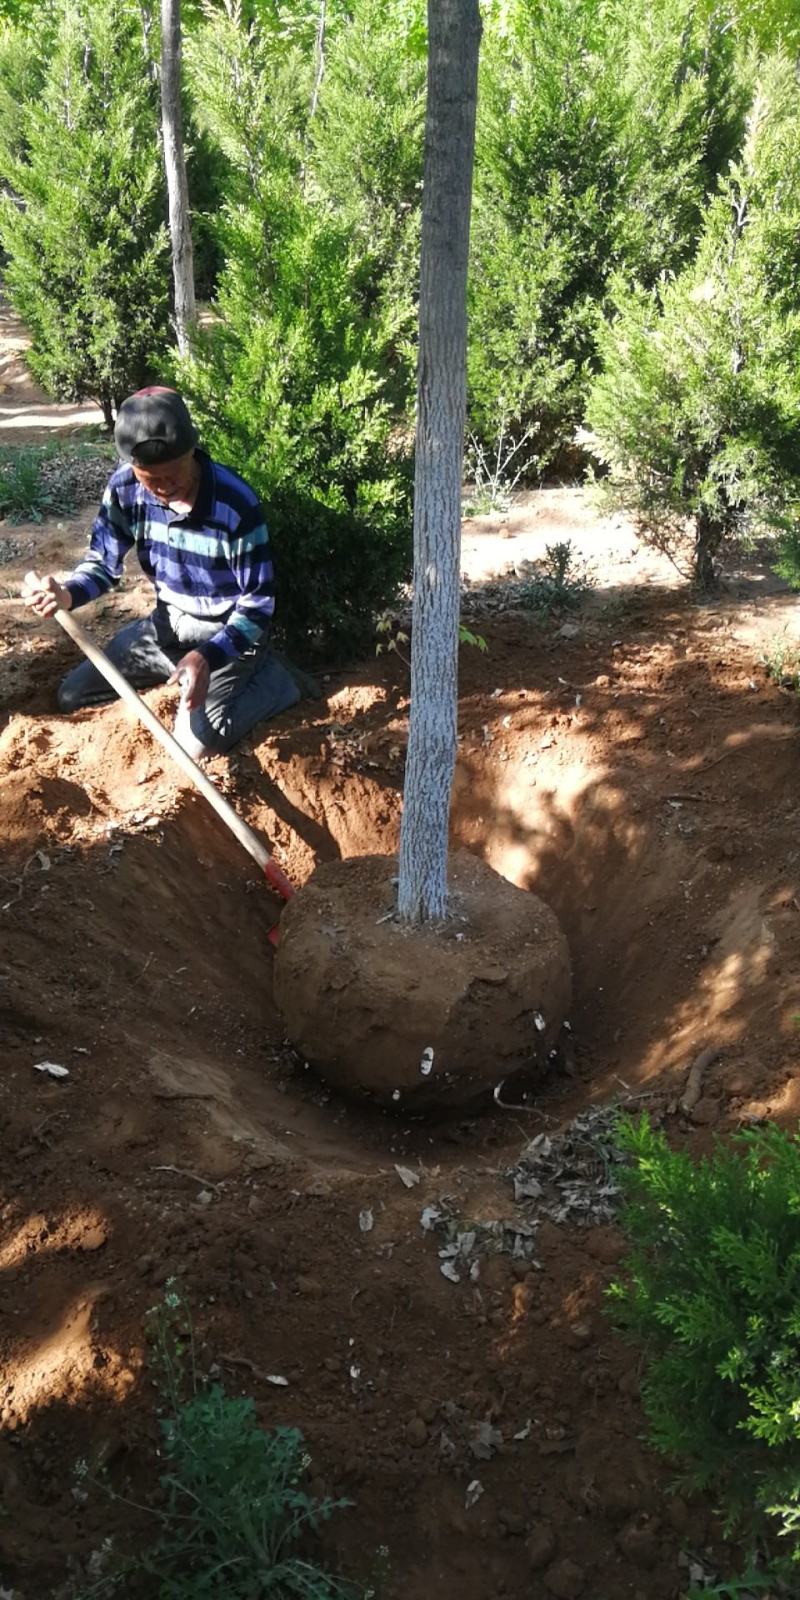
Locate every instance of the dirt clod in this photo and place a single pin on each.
(565, 1579)
(416, 1432)
(540, 1546)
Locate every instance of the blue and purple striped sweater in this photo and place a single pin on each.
(212, 563)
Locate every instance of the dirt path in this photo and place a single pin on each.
(27, 415)
(639, 770)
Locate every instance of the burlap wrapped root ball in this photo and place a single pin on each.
(415, 1017)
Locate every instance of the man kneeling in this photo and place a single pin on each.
(200, 536)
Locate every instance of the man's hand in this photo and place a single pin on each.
(192, 673)
(44, 596)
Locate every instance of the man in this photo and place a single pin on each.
(200, 536)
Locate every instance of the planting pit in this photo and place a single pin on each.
(640, 776)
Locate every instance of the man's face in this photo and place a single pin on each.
(172, 480)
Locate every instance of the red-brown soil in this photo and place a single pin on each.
(427, 1017)
(641, 775)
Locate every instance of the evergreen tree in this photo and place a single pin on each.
(83, 228)
(290, 381)
(696, 414)
(601, 129)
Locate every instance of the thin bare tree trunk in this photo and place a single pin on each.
(175, 165)
(454, 31)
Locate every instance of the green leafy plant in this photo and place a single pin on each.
(712, 1287)
(490, 473)
(752, 1583)
(82, 212)
(236, 1521)
(557, 584)
(38, 481)
(696, 415)
(782, 662)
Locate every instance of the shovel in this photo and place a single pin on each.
(276, 879)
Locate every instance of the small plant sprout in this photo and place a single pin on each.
(781, 661)
(234, 1517)
(393, 636)
(492, 478)
(557, 584)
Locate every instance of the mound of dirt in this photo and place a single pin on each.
(420, 1016)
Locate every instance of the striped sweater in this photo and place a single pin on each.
(212, 563)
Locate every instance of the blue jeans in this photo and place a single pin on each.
(241, 693)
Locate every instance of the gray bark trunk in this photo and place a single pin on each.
(454, 31)
(175, 167)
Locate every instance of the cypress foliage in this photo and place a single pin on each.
(83, 225)
(696, 415)
(711, 1286)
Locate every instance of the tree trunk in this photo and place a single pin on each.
(454, 31)
(708, 536)
(175, 165)
(107, 410)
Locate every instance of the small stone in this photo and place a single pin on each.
(605, 1244)
(93, 1238)
(579, 1334)
(540, 1546)
(310, 1286)
(565, 1580)
(705, 1112)
(205, 1197)
(145, 1265)
(629, 1385)
(639, 1543)
(416, 1432)
(678, 1514)
(428, 1411)
(520, 1270)
(512, 1523)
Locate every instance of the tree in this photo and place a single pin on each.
(175, 167)
(696, 414)
(454, 31)
(82, 224)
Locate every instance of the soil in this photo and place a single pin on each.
(420, 1017)
(637, 768)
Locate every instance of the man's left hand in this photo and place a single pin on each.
(192, 673)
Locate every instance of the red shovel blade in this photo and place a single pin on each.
(277, 880)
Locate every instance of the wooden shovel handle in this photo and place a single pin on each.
(245, 835)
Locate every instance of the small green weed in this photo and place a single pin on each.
(560, 583)
(712, 1287)
(782, 662)
(788, 564)
(236, 1522)
(38, 481)
(493, 482)
(392, 636)
(753, 1583)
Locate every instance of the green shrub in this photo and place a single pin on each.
(88, 259)
(601, 130)
(696, 415)
(712, 1288)
(292, 384)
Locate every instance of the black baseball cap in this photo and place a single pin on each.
(153, 425)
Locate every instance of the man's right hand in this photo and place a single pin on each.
(44, 595)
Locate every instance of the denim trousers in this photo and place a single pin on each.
(247, 690)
